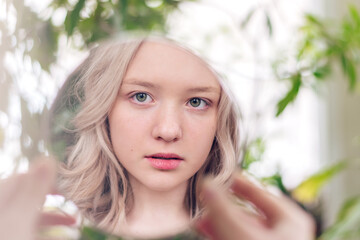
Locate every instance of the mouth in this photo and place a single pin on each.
(165, 156)
(164, 161)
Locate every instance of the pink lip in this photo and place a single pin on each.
(164, 161)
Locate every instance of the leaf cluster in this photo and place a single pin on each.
(323, 44)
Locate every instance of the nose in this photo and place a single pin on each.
(168, 125)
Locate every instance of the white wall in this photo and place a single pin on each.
(340, 131)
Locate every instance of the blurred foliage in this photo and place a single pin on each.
(99, 20)
(254, 153)
(276, 180)
(323, 44)
(347, 225)
(306, 194)
(86, 22)
(35, 37)
(262, 10)
(89, 233)
(309, 189)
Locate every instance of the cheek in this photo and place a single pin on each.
(201, 137)
(126, 131)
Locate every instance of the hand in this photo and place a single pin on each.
(278, 218)
(21, 197)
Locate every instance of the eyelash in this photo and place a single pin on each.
(133, 97)
(202, 101)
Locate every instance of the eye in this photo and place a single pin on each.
(198, 103)
(141, 98)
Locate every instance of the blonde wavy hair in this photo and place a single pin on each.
(92, 177)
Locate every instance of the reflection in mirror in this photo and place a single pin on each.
(137, 126)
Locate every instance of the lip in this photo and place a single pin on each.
(164, 161)
(168, 156)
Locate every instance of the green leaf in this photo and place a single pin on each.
(347, 224)
(347, 208)
(322, 72)
(89, 233)
(123, 5)
(269, 24)
(276, 180)
(246, 20)
(349, 70)
(354, 14)
(312, 19)
(73, 17)
(253, 153)
(291, 95)
(309, 189)
(305, 46)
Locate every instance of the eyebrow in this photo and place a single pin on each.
(153, 86)
(140, 83)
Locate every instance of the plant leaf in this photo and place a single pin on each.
(309, 189)
(349, 70)
(269, 24)
(73, 17)
(347, 224)
(246, 20)
(276, 180)
(354, 14)
(312, 19)
(253, 153)
(322, 72)
(291, 95)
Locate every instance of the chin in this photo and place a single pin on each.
(163, 183)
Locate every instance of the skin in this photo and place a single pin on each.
(21, 197)
(165, 123)
(154, 114)
(281, 219)
(278, 218)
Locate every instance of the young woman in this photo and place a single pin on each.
(154, 121)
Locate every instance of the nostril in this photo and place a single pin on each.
(167, 125)
(167, 134)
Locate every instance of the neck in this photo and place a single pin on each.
(157, 213)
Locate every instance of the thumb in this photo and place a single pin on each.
(44, 173)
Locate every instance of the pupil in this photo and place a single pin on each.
(141, 97)
(195, 102)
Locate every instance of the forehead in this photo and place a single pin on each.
(163, 61)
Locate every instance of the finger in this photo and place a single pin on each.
(31, 194)
(273, 207)
(221, 214)
(44, 171)
(9, 188)
(50, 219)
(205, 228)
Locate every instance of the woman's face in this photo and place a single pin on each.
(164, 119)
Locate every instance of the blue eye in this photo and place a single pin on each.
(141, 98)
(198, 103)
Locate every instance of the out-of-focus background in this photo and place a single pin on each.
(293, 66)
